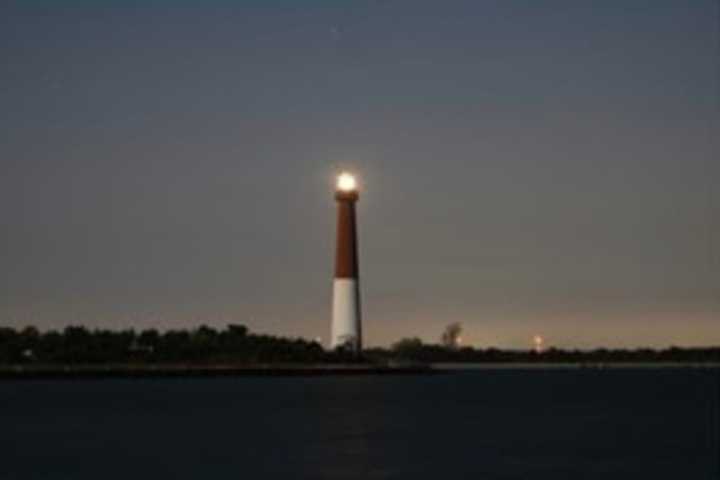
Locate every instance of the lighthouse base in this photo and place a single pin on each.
(346, 315)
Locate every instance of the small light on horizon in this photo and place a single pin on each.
(538, 343)
(346, 182)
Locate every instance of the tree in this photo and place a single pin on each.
(407, 346)
(451, 336)
(237, 330)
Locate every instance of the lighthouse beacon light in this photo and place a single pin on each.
(346, 182)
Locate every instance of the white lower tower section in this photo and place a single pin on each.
(346, 313)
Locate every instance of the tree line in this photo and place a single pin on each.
(236, 345)
(202, 345)
(413, 349)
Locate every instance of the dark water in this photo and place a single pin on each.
(658, 424)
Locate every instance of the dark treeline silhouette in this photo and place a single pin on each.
(413, 349)
(235, 345)
(203, 345)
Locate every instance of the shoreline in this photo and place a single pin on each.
(21, 372)
(458, 367)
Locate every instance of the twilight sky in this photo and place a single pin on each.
(526, 167)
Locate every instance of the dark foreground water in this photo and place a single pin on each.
(583, 424)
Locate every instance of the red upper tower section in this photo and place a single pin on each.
(346, 251)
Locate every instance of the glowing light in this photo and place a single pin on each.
(346, 182)
(538, 342)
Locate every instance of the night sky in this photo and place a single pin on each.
(526, 167)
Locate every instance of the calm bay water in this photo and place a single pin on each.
(659, 424)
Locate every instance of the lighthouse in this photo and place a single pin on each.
(346, 328)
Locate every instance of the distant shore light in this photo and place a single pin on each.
(538, 343)
(346, 182)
